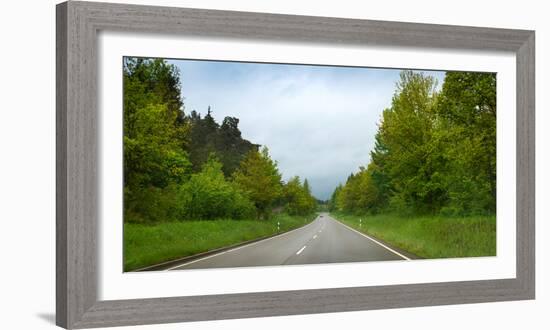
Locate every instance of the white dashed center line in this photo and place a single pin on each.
(315, 236)
(300, 251)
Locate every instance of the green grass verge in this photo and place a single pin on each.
(430, 236)
(146, 245)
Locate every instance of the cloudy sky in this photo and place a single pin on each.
(317, 121)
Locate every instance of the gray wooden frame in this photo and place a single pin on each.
(77, 152)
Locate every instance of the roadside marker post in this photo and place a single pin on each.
(360, 222)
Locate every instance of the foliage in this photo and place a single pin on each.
(207, 195)
(359, 194)
(225, 140)
(179, 167)
(467, 105)
(152, 81)
(154, 161)
(151, 155)
(434, 152)
(297, 197)
(259, 178)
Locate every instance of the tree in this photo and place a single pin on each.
(434, 152)
(202, 138)
(333, 201)
(207, 195)
(405, 133)
(225, 140)
(259, 178)
(298, 198)
(151, 81)
(230, 145)
(467, 107)
(153, 162)
(154, 139)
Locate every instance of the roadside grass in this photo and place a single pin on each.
(146, 245)
(430, 236)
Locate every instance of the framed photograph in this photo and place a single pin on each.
(217, 164)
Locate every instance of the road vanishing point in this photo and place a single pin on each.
(324, 240)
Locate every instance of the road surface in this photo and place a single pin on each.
(324, 240)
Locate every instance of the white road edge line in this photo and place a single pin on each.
(375, 241)
(238, 248)
(302, 249)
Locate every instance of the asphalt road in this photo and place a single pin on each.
(324, 240)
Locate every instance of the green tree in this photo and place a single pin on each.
(153, 162)
(333, 201)
(154, 137)
(467, 110)
(405, 134)
(259, 177)
(149, 81)
(434, 152)
(298, 198)
(207, 195)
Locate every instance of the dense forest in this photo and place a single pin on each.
(180, 166)
(435, 151)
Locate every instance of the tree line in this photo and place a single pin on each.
(434, 153)
(179, 166)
